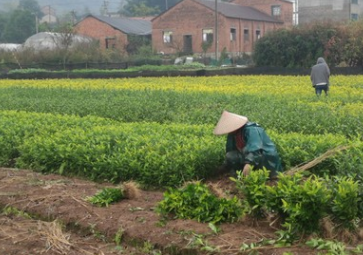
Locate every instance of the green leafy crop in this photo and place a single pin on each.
(344, 206)
(253, 189)
(195, 201)
(106, 196)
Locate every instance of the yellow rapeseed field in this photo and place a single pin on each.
(346, 94)
(271, 84)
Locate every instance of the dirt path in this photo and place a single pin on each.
(62, 222)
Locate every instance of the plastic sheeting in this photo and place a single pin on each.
(47, 40)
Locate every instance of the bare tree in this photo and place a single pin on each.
(64, 40)
(205, 47)
(177, 45)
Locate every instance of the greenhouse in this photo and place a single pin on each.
(51, 41)
(9, 46)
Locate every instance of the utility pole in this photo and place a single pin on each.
(105, 7)
(166, 5)
(216, 28)
(74, 17)
(36, 23)
(48, 14)
(296, 12)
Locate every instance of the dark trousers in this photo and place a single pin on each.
(320, 88)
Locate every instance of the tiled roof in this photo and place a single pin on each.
(127, 25)
(231, 10)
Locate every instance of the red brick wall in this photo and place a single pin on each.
(265, 6)
(240, 45)
(185, 18)
(190, 18)
(94, 28)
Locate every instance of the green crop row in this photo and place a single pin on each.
(283, 114)
(102, 150)
(301, 203)
(153, 154)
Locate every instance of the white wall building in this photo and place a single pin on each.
(328, 10)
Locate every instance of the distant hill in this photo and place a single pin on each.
(65, 6)
(80, 6)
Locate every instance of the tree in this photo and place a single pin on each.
(135, 42)
(163, 5)
(86, 11)
(205, 47)
(31, 6)
(138, 9)
(353, 46)
(300, 46)
(9, 6)
(20, 23)
(64, 40)
(19, 27)
(145, 7)
(3, 21)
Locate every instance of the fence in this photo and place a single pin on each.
(4, 68)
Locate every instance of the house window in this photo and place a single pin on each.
(354, 16)
(258, 34)
(233, 34)
(110, 42)
(208, 35)
(167, 37)
(276, 10)
(246, 35)
(354, 1)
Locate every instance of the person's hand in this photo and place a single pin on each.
(246, 170)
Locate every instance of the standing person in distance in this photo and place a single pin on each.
(248, 146)
(319, 77)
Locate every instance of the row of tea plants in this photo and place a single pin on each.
(302, 202)
(151, 153)
(304, 207)
(281, 103)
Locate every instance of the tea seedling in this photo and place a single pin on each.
(106, 196)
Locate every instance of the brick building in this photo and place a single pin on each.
(282, 10)
(49, 15)
(192, 23)
(329, 10)
(113, 33)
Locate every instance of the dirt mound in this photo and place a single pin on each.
(62, 222)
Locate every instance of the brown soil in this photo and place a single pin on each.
(62, 222)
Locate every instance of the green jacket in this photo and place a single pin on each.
(259, 150)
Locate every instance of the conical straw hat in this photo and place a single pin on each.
(229, 122)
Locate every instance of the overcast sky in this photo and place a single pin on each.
(64, 6)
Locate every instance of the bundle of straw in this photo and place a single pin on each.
(54, 237)
(305, 166)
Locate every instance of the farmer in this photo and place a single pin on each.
(248, 146)
(319, 77)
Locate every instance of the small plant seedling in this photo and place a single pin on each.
(118, 236)
(106, 196)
